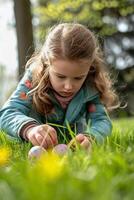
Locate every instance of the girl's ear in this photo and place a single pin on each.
(92, 69)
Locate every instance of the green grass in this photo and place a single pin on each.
(107, 173)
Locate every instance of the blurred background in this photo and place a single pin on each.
(24, 23)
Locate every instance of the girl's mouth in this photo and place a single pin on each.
(66, 94)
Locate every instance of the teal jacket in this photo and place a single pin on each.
(85, 113)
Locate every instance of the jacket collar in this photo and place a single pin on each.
(82, 97)
(89, 93)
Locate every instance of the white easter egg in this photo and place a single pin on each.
(60, 149)
(36, 152)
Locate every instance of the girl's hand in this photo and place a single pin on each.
(42, 135)
(83, 141)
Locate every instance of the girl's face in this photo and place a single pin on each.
(67, 77)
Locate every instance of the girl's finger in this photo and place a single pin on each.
(53, 136)
(46, 130)
(48, 142)
(34, 141)
(80, 138)
(44, 144)
(39, 138)
(86, 143)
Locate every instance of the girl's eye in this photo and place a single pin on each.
(78, 78)
(61, 77)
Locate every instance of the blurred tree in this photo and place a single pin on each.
(22, 10)
(2, 74)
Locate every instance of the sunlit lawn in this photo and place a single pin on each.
(105, 173)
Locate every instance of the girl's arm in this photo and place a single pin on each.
(15, 113)
(98, 122)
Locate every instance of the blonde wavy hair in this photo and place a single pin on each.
(73, 42)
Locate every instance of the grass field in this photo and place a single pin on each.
(106, 173)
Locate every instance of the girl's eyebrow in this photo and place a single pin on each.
(59, 74)
(81, 76)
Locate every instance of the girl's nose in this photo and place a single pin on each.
(68, 86)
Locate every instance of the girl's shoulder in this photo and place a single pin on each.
(30, 68)
(30, 71)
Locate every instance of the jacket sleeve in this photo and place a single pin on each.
(98, 122)
(15, 112)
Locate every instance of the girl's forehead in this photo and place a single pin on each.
(70, 67)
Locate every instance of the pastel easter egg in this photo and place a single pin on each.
(36, 152)
(60, 149)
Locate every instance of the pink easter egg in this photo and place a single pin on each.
(60, 149)
(36, 152)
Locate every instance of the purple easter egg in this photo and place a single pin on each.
(60, 149)
(36, 152)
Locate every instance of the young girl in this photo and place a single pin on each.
(65, 83)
